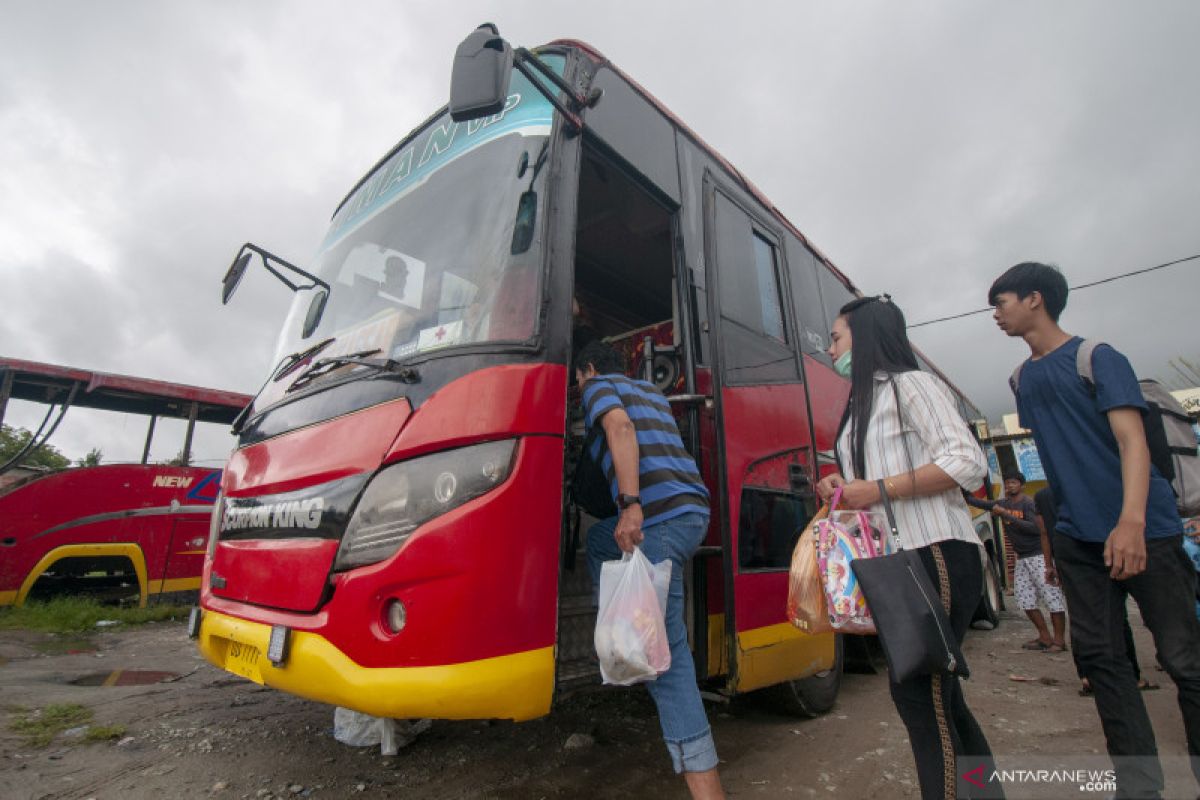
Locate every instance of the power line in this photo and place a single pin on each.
(1072, 288)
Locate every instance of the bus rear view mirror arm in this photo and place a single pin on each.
(479, 79)
(272, 263)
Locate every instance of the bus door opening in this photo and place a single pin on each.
(624, 293)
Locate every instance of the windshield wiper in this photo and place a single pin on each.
(324, 366)
(292, 362)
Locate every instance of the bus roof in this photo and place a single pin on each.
(53, 384)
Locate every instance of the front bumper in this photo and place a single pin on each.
(517, 686)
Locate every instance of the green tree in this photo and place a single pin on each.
(13, 440)
(180, 460)
(92, 459)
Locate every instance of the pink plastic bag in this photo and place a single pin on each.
(631, 634)
(842, 537)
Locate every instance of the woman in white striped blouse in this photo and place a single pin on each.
(902, 426)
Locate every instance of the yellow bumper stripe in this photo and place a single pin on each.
(776, 653)
(517, 686)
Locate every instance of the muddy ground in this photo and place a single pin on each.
(209, 734)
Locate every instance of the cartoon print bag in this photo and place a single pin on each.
(842, 537)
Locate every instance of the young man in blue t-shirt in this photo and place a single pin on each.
(1118, 533)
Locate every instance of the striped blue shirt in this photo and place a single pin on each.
(669, 482)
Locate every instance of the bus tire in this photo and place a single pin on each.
(811, 696)
(991, 601)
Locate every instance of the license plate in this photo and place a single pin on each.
(243, 659)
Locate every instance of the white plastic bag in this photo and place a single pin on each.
(631, 635)
(362, 730)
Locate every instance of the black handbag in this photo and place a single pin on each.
(911, 620)
(589, 486)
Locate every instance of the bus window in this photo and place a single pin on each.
(769, 525)
(834, 294)
(754, 345)
(806, 299)
(766, 272)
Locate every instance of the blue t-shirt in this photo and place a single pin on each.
(669, 483)
(1076, 443)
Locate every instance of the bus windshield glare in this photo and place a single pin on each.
(421, 255)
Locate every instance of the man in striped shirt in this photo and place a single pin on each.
(663, 508)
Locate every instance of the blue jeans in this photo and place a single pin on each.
(680, 709)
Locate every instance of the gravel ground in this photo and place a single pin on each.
(209, 734)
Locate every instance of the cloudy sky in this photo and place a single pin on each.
(924, 146)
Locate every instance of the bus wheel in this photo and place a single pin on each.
(106, 579)
(811, 696)
(987, 614)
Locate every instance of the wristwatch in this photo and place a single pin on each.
(624, 501)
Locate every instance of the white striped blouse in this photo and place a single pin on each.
(929, 430)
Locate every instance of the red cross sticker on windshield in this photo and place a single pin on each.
(440, 334)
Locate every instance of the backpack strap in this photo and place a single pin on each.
(1014, 380)
(1083, 363)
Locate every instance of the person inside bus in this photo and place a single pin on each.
(901, 426)
(663, 508)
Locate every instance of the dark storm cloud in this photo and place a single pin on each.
(924, 146)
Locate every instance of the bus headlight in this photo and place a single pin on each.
(404, 496)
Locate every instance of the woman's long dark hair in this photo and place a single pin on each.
(878, 343)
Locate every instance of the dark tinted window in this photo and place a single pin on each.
(811, 325)
(768, 526)
(753, 341)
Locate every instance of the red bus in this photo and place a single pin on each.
(393, 533)
(116, 530)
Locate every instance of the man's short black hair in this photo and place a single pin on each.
(1015, 476)
(600, 355)
(1028, 277)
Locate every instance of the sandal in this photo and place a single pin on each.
(1036, 644)
(1056, 648)
(1144, 685)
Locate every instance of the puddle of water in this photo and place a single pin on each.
(124, 677)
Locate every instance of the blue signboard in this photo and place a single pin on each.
(993, 465)
(1028, 460)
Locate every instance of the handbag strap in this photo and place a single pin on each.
(821, 533)
(891, 516)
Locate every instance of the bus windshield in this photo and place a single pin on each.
(422, 255)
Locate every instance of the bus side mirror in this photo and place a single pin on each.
(479, 79)
(233, 277)
(315, 310)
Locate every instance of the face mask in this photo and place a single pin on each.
(842, 365)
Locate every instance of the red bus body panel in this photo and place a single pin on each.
(283, 573)
(760, 420)
(162, 510)
(334, 449)
(477, 582)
